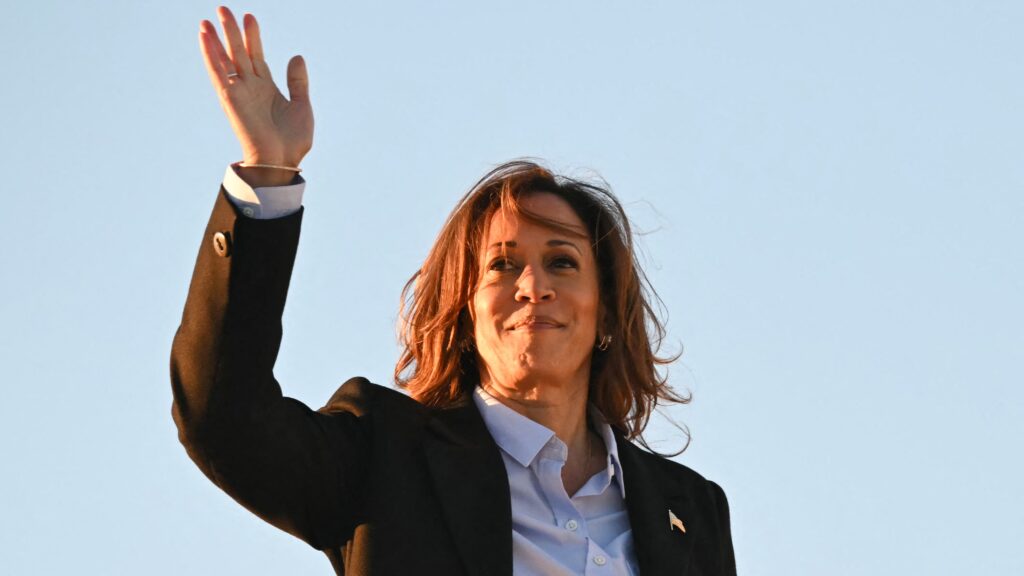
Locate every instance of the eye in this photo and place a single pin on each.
(501, 264)
(566, 262)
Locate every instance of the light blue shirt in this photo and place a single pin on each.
(554, 534)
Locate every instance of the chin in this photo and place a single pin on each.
(547, 367)
(532, 362)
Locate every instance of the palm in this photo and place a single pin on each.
(271, 128)
(294, 121)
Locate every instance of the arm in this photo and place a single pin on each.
(294, 467)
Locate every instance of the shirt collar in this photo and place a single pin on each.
(523, 439)
(610, 445)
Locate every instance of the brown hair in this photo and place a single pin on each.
(438, 365)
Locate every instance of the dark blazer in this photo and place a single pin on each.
(378, 482)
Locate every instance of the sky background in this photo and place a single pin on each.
(830, 195)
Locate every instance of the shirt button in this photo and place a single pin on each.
(572, 525)
(599, 560)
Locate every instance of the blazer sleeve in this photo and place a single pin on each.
(294, 467)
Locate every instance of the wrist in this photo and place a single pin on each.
(260, 177)
(282, 157)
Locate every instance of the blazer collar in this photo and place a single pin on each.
(660, 550)
(472, 485)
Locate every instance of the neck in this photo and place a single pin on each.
(560, 408)
(563, 410)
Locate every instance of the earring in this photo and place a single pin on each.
(605, 341)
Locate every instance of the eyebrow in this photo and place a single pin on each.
(551, 243)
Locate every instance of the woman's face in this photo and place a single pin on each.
(535, 310)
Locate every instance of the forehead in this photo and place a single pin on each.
(504, 226)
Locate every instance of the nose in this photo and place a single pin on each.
(534, 286)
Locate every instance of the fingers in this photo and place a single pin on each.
(218, 66)
(298, 80)
(244, 55)
(235, 44)
(254, 46)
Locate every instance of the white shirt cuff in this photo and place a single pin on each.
(266, 202)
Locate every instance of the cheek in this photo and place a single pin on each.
(591, 322)
(483, 312)
(589, 305)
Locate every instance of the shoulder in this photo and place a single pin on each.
(670, 470)
(675, 477)
(364, 399)
(359, 396)
(377, 407)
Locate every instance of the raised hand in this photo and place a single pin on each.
(271, 129)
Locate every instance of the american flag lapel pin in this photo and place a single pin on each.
(674, 522)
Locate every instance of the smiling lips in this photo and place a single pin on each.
(536, 323)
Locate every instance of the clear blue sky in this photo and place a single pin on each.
(832, 195)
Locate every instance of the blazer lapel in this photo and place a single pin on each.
(472, 485)
(660, 549)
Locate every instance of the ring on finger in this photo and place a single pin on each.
(232, 74)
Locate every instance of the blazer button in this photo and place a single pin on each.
(222, 244)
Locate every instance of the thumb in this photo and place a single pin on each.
(298, 80)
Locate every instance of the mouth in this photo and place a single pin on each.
(535, 323)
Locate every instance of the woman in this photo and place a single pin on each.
(528, 360)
